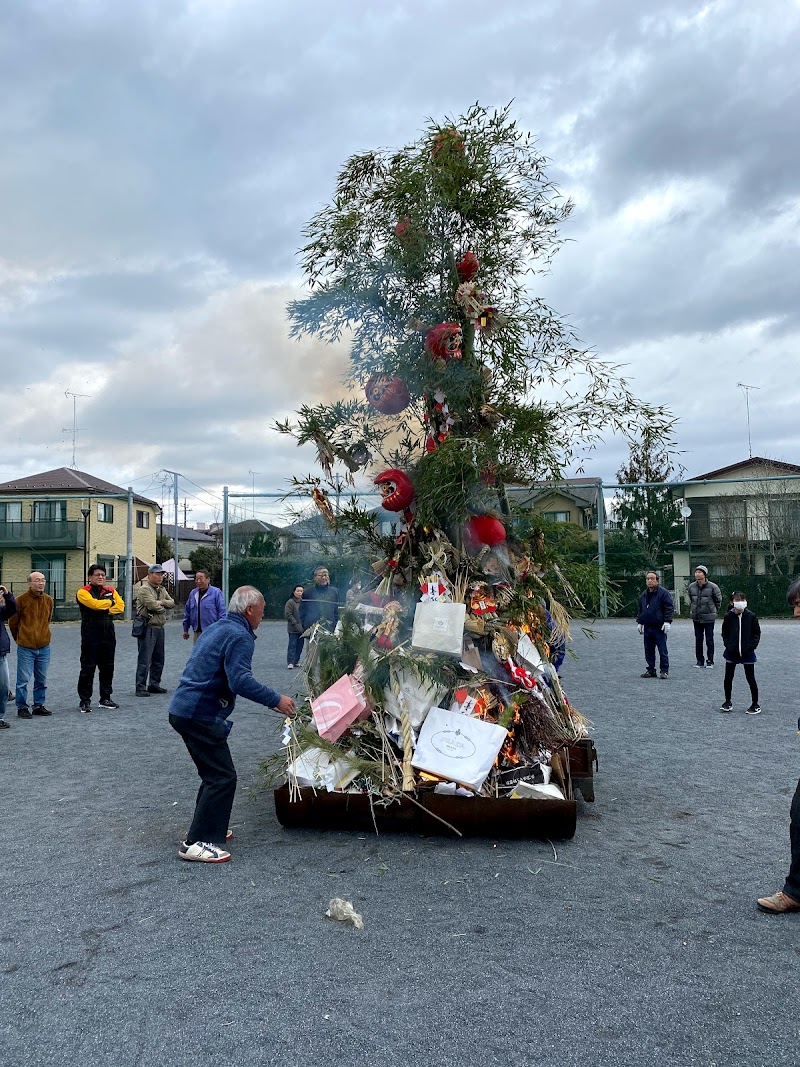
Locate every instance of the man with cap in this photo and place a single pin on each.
(705, 601)
(152, 602)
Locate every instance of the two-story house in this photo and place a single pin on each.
(61, 521)
(742, 519)
(574, 500)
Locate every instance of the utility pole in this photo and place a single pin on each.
(74, 430)
(746, 390)
(186, 509)
(175, 501)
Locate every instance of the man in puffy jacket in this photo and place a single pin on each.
(705, 601)
(8, 607)
(654, 616)
(788, 898)
(98, 603)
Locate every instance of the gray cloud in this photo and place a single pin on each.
(160, 161)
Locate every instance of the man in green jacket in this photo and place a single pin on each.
(152, 602)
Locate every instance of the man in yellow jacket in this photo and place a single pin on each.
(98, 603)
(30, 628)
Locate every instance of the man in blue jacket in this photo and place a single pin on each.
(204, 606)
(219, 670)
(655, 618)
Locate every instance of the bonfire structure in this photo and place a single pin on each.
(441, 677)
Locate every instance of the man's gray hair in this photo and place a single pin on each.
(793, 592)
(246, 596)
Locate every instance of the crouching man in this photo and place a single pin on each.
(788, 898)
(219, 670)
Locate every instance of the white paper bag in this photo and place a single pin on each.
(457, 747)
(439, 627)
(415, 698)
(316, 768)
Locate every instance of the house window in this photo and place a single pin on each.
(142, 520)
(105, 512)
(50, 511)
(54, 569)
(108, 563)
(557, 516)
(11, 512)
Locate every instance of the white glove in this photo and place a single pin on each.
(641, 628)
(665, 628)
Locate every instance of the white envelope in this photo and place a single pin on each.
(458, 747)
(316, 768)
(439, 627)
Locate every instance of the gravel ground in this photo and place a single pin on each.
(635, 943)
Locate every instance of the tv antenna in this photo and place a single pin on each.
(253, 501)
(746, 390)
(74, 430)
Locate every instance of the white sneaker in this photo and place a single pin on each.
(203, 852)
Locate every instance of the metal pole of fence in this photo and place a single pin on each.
(601, 553)
(226, 546)
(129, 559)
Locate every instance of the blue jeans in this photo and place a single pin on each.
(655, 639)
(5, 682)
(32, 661)
(704, 629)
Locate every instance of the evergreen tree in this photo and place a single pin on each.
(650, 513)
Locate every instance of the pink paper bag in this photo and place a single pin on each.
(338, 707)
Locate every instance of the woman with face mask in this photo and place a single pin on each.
(740, 634)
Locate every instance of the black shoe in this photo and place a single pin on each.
(664, 674)
(142, 693)
(754, 709)
(726, 706)
(156, 689)
(85, 707)
(710, 665)
(4, 725)
(24, 713)
(648, 674)
(702, 666)
(40, 709)
(108, 703)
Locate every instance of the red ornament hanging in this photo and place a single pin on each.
(447, 142)
(444, 341)
(387, 394)
(402, 229)
(484, 530)
(396, 489)
(468, 267)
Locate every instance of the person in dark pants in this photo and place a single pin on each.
(788, 898)
(741, 633)
(219, 669)
(98, 604)
(654, 616)
(152, 602)
(291, 612)
(8, 607)
(705, 600)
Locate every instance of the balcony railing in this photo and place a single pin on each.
(742, 531)
(43, 534)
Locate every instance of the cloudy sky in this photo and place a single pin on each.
(159, 160)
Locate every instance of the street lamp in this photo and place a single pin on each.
(86, 512)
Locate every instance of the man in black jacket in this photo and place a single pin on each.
(655, 618)
(99, 603)
(320, 602)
